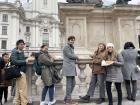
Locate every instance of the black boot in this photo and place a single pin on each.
(129, 98)
(100, 100)
(85, 98)
(5, 100)
(119, 103)
(133, 99)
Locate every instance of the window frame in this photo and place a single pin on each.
(4, 30)
(5, 46)
(47, 37)
(4, 17)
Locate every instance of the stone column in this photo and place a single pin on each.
(29, 82)
(59, 86)
(82, 77)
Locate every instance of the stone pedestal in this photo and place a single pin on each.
(91, 25)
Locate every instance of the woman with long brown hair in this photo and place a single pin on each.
(98, 75)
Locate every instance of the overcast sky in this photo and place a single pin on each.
(105, 1)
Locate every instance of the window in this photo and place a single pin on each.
(45, 39)
(4, 30)
(3, 44)
(45, 3)
(5, 18)
(27, 29)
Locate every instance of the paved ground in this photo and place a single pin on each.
(125, 102)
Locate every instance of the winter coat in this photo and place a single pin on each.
(97, 59)
(114, 71)
(18, 58)
(47, 69)
(3, 82)
(129, 68)
(69, 59)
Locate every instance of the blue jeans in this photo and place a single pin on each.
(70, 84)
(51, 92)
(100, 79)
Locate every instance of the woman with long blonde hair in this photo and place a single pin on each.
(114, 73)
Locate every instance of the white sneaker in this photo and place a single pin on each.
(42, 103)
(52, 102)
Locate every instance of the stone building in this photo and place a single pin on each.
(36, 22)
(92, 25)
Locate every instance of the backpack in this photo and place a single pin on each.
(36, 64)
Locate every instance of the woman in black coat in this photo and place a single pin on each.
(4, 83)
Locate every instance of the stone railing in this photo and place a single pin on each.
(82, 79)
(34, 91)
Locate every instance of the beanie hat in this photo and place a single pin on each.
(110, 45)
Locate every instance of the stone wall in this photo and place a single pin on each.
(92, 25)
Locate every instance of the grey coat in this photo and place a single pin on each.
(129, 68)
(114, 72)
(69, 59)
(47, 66)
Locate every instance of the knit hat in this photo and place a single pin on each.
(110, 45)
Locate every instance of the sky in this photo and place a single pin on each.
(106, 2)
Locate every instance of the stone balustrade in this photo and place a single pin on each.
(83, 78)
(34, 91)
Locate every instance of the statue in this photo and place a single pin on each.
(122, 1)
(98, 3)
(75, 1)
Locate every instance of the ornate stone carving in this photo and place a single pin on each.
(122, 1)
(82, 77)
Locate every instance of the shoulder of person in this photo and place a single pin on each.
(67, 47)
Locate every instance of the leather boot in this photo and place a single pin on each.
(85, 98)
(100, 100)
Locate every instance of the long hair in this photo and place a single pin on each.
(111, 56)
(97, 51)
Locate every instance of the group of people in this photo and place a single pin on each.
(18, 59)
(122, 67)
